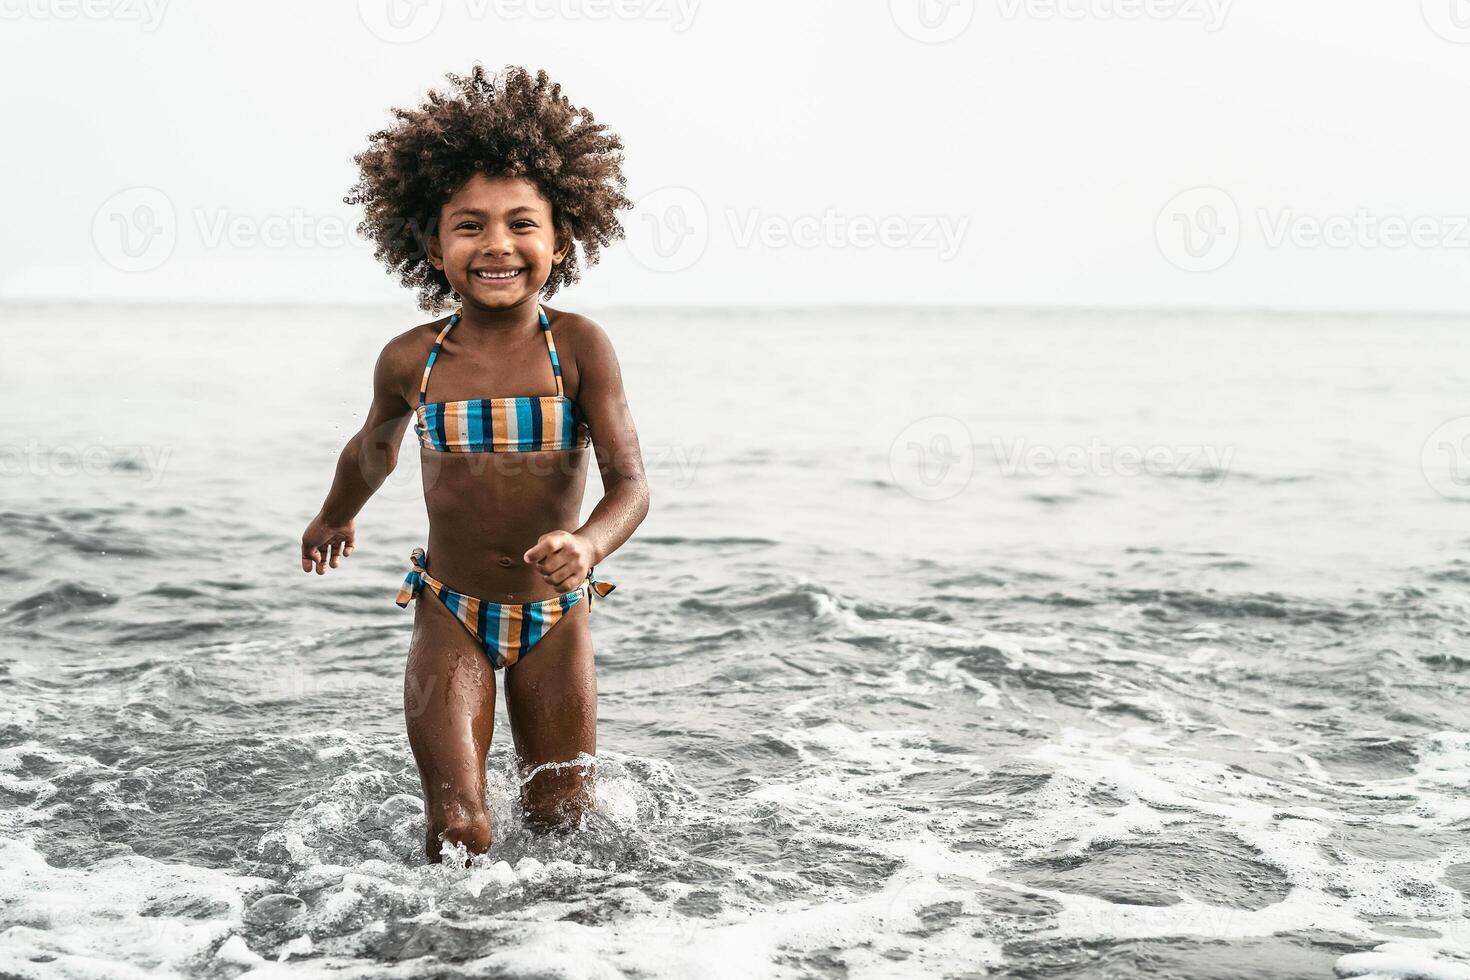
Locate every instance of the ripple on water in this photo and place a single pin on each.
(1371, 758)
(117, 532)
(1184, 860)
(56, 602)
(1198, 958)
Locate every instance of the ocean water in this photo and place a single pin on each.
(956, 644)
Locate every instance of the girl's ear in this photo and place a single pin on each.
(435, 253)
(563, 246)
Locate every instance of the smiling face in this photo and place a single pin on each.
(496, 243)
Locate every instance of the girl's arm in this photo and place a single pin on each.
(362, 466)
(564, 557)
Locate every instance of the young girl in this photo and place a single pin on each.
(483, 194)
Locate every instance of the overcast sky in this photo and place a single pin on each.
(1305, 154)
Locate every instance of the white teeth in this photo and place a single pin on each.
(499, 275)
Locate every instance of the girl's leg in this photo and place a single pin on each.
(449, 704)
(551, 699)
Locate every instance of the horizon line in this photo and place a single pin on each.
(940, 308)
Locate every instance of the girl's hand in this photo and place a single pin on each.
(325, 544)
(562, 558)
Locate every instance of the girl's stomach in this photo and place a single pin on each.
(487, 509)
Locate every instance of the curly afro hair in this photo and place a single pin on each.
(512, 125)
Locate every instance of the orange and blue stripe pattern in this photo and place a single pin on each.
(498, 425)
(506, 631)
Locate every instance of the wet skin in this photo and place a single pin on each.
(502, 526)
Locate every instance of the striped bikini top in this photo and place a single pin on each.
(499, 425)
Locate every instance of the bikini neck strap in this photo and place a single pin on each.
(551, 349)
(434, 355)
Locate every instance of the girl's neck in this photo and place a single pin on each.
(503, 322)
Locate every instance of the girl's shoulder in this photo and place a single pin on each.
(581, 333)
(401, 363)
(415, 342)
(582, 346)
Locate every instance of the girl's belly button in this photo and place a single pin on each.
(505, 561)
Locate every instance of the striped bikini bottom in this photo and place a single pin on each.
(506, 630)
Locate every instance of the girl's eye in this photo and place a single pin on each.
(523, 223)
(467, 225)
